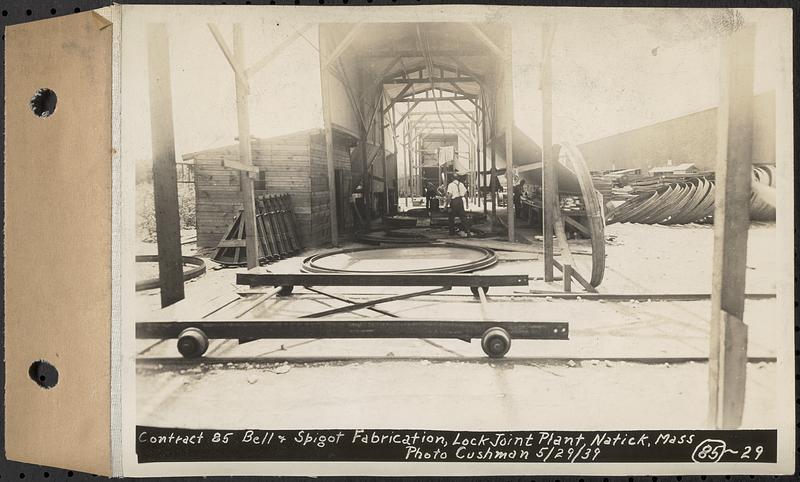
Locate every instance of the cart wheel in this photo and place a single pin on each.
(192, 343)
(496, 342)
(475, 289)
(286, 290)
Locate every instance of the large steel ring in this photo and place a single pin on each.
(198, 268)
(439, 258)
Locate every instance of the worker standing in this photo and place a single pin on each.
(458, 202)
(359, 208)
(430, 197)
(519, 190)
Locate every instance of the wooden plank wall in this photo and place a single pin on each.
(217, 196)
(320, 216)
(294, 164)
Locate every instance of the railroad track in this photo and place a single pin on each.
(179, 362)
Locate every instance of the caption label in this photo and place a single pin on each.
(158, 444)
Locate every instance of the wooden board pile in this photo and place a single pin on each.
(572, 205)
(663, 200)
(603, 185)
(277, 233)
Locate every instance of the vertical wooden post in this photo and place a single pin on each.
(508, 80)
(165, 176)
(494, 171)
(567, 273)
(728, 334)
(483, 145)
(407, 136)
(383, 154)
(548, 168)
(478, 173)
(396, 155)
(245, 155)
(325, 81)
(366, 179)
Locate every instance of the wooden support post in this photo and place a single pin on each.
(494, 171)
(245, 154)
(483, 156)
(478, 173)
(366, 177)
(382, 146)
(325, 80)
(549, 189)
(407, 135)
(728, 334)
(396, 155)
(567, 278)
(508, 80)
(165, 177)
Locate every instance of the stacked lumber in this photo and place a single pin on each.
(572, 205)
(603, 185)
(277, 233)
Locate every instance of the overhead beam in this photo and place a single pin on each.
(414, 92)
(343, 45)
(446, 121)
(420, 114)
(406, 113)
(419, 53)
(240, 71)
(434, 99)
(463, 111)
(438, 80)
(460, 66)
(487, 41)
(256, 67)
(458, 132)
(424, 44)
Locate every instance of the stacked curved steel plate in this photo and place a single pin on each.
(692, 201)
(762, 197)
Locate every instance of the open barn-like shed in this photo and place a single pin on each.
(406, 106)
(396, 84)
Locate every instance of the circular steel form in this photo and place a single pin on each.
(445, 258)
(198, 268)
(595, 222)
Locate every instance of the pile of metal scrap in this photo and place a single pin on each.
(683, 199)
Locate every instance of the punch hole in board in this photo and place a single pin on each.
(43, 103)
(43, 373)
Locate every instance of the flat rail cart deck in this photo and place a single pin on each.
(193, 335)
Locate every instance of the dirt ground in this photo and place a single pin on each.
(580, 382)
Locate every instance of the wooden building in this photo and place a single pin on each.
(687, 139)
(294, 164)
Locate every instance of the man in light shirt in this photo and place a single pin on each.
(458, 201)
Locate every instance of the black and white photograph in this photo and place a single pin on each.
(455, 240)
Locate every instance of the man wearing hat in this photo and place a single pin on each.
(458, 202)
